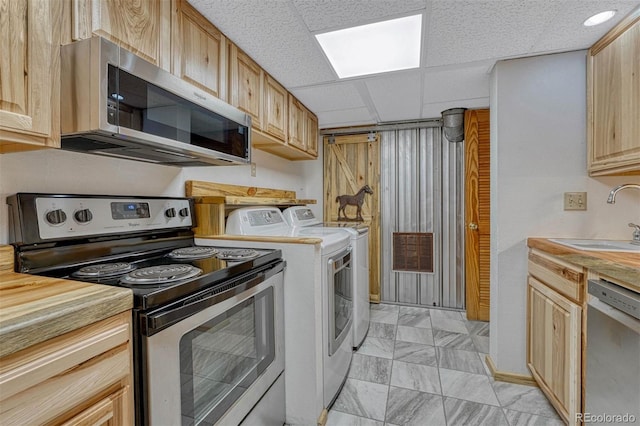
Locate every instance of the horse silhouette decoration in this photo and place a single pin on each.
(353, 200)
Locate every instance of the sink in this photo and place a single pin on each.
(598, 245)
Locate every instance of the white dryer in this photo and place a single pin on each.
(318, 304)
(299, 217)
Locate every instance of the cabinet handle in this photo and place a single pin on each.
(473, 226)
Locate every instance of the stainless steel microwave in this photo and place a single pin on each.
(115, 104)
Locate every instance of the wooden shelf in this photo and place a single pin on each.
(253, 201)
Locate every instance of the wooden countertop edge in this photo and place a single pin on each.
(266, 239)
(619, 267)
(39, 324)
(631, 260)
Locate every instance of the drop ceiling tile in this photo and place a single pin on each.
(328, 15)
(273, 35)
(347, 117)
(469, 30)
(397, 96)
(566, 32)
(329, 97)
(462, 82)
(434, 110)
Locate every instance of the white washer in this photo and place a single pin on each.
(315, 368)
(301, 216)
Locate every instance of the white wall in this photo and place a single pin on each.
(64, 172)
(538, 150)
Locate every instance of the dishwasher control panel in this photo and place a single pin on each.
(617, 296)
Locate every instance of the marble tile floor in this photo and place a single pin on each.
(425, 366)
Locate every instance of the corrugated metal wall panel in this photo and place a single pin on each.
(421, 177)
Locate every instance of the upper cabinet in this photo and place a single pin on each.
(245, 84)
(142, 26)
(281, 125)
(614, 100)
(29, 74)
(199, 50)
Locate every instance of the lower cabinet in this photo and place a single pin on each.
(554, 333)
(79, 378)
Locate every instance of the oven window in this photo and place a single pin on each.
(221, 358)
(342, 299)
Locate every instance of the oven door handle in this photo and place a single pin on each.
(153, 322)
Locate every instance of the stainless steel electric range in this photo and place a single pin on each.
(208, 321)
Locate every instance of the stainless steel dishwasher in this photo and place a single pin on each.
(613, 355)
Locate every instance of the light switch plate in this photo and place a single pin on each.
(575, 200)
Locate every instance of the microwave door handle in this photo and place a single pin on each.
(163, 319)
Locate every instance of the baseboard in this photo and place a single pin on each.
(374, 298)
(503, 376)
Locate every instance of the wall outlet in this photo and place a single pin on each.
(253, 169)
(575, 200)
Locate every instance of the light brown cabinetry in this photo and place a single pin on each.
(275, 108)
(555, 296)
(297, 136)
(614, 100)
(78, 378)
(29, 74)
(199, 50)
(142, 26)
(245, 84)
(311, 129)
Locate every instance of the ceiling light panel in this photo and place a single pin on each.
(599, 18)
(374, 48)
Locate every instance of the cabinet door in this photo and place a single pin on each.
(198, 50)
(553, 347)
(296, 124)
(275, 108)
(615, 105)
(142, 26)
(29, 73)
(246, 85)
(311, 131)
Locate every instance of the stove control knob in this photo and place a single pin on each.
(169, 213)
(83, 216)
(184, 212)
(56, 217)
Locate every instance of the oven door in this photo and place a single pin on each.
(213, 365)
(340, 299)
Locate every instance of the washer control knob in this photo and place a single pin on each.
(83, 216)
(184, 212)
(56, 217)
(170, 212)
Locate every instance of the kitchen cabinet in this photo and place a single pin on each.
(275, 108)
(297, 136)
(245, 83)
(199, 50)
(613, 86)
(78, 378)
(555, 296)
(29, 74)
(142, 26)
(311, 132)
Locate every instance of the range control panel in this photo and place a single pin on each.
(64, 217)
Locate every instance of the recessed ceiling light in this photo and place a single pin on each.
(374, 48)
(599, 18)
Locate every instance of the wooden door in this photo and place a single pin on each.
(245, 85)
(350, 162)
(198, 50)
(553, 347)
(477, 213)
(142, 27)
(275, 108)
(29, 74)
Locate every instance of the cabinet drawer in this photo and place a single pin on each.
(563, 277)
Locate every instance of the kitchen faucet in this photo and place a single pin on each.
(614, 191)
(612, 200)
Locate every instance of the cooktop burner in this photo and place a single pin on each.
(237, 254)
(191, 253)
(160, 274)
(104, 270)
